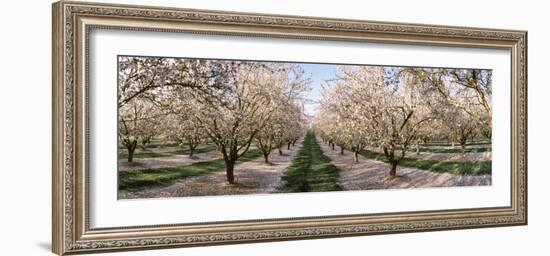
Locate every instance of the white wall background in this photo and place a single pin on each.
(25, 117)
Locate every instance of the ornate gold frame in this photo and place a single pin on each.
(73, 20)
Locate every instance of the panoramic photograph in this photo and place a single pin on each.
(211, 127)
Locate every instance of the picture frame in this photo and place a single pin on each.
(73, 23)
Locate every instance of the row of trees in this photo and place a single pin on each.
(397, 108)
(233, 104)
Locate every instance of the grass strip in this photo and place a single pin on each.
(163, 145)
(452, 150)
(447, 144)
(156, 145)
(152, 154)
(311, 170)
(166, 176)
(453, 167)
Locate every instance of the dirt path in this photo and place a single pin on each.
(370, 174)
(169, 161)
(253, 177)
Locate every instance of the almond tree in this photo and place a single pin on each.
(460, 126)
(183, 130)
(145, 76)
(294, 126)
(179, 123)
(297, 128)
(389, 108)
(232, 115)
(469, 90)
(137, 122)
(284, 126)
(271, 135)
(399, 112)
(143, 81)
(347, 125)
(475, 96)
(327, 128)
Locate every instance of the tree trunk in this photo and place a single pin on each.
(463, 146)
(280, 151)
(332, 146)
(341, 150)
(417, 150)
(266, 157)
(229, 169)
(131, 148)
(288, 145)
(144, 143)
(356, 156)
(294, 143)
(191, 150)
(393, 169)
(130, 156)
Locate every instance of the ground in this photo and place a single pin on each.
(168, 161)
(161, 172)
(251, 177)
(372, 174)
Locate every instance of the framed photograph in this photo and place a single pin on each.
(178, 127)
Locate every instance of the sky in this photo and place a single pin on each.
(318, 73)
